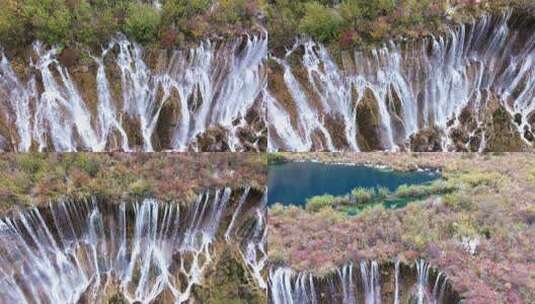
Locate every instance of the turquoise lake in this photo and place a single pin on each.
(294, 182)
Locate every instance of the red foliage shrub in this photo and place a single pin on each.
(168, 38)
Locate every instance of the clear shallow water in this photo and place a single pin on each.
(294, 182)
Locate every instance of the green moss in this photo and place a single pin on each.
(228, 282)
(477, 178)
(320, 22)
(457, 201)
(277, 209)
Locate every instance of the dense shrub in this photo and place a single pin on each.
(140, 188)
(50, 19)
(362, 195)
(383, 192)
(319, 202)
(435, 187)
(320, 22)
(347, 22)
(276, 158)
(142, 22)
(90, 23)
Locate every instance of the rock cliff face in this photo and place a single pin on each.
(96, 251)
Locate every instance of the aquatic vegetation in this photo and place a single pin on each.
(362, 195)
(362, 198)
(435, 187)
(316, 203)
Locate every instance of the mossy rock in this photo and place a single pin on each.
(368, 121)
(427, 140)
(228, 282)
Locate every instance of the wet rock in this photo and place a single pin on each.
(248, 138)
(336, 127)
(214, 139)
(426, 140)
(227, 281)
(528, 135)
(368, 121)
(69, 57)
(518, 118)
(83, 69)
(3, 143)
(394, 105)
(501, 133)
(167, 121)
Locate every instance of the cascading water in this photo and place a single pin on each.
(363, 284)
(287, 287)
(89, 251)
(346, 276)
(412, 86)
(216, 86)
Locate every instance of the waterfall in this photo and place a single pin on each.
(87, 251)
(349, 285)
(346, 276)
(309, 119)
(19, 97)
(215, 87)
(287, 287)
(396, 282)
(256, 256)
(370, 279)
(413, 85)
(422, 269)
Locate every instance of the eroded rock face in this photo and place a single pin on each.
(426, 140)
(213, 139)
(368, 121)
(227, 281)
